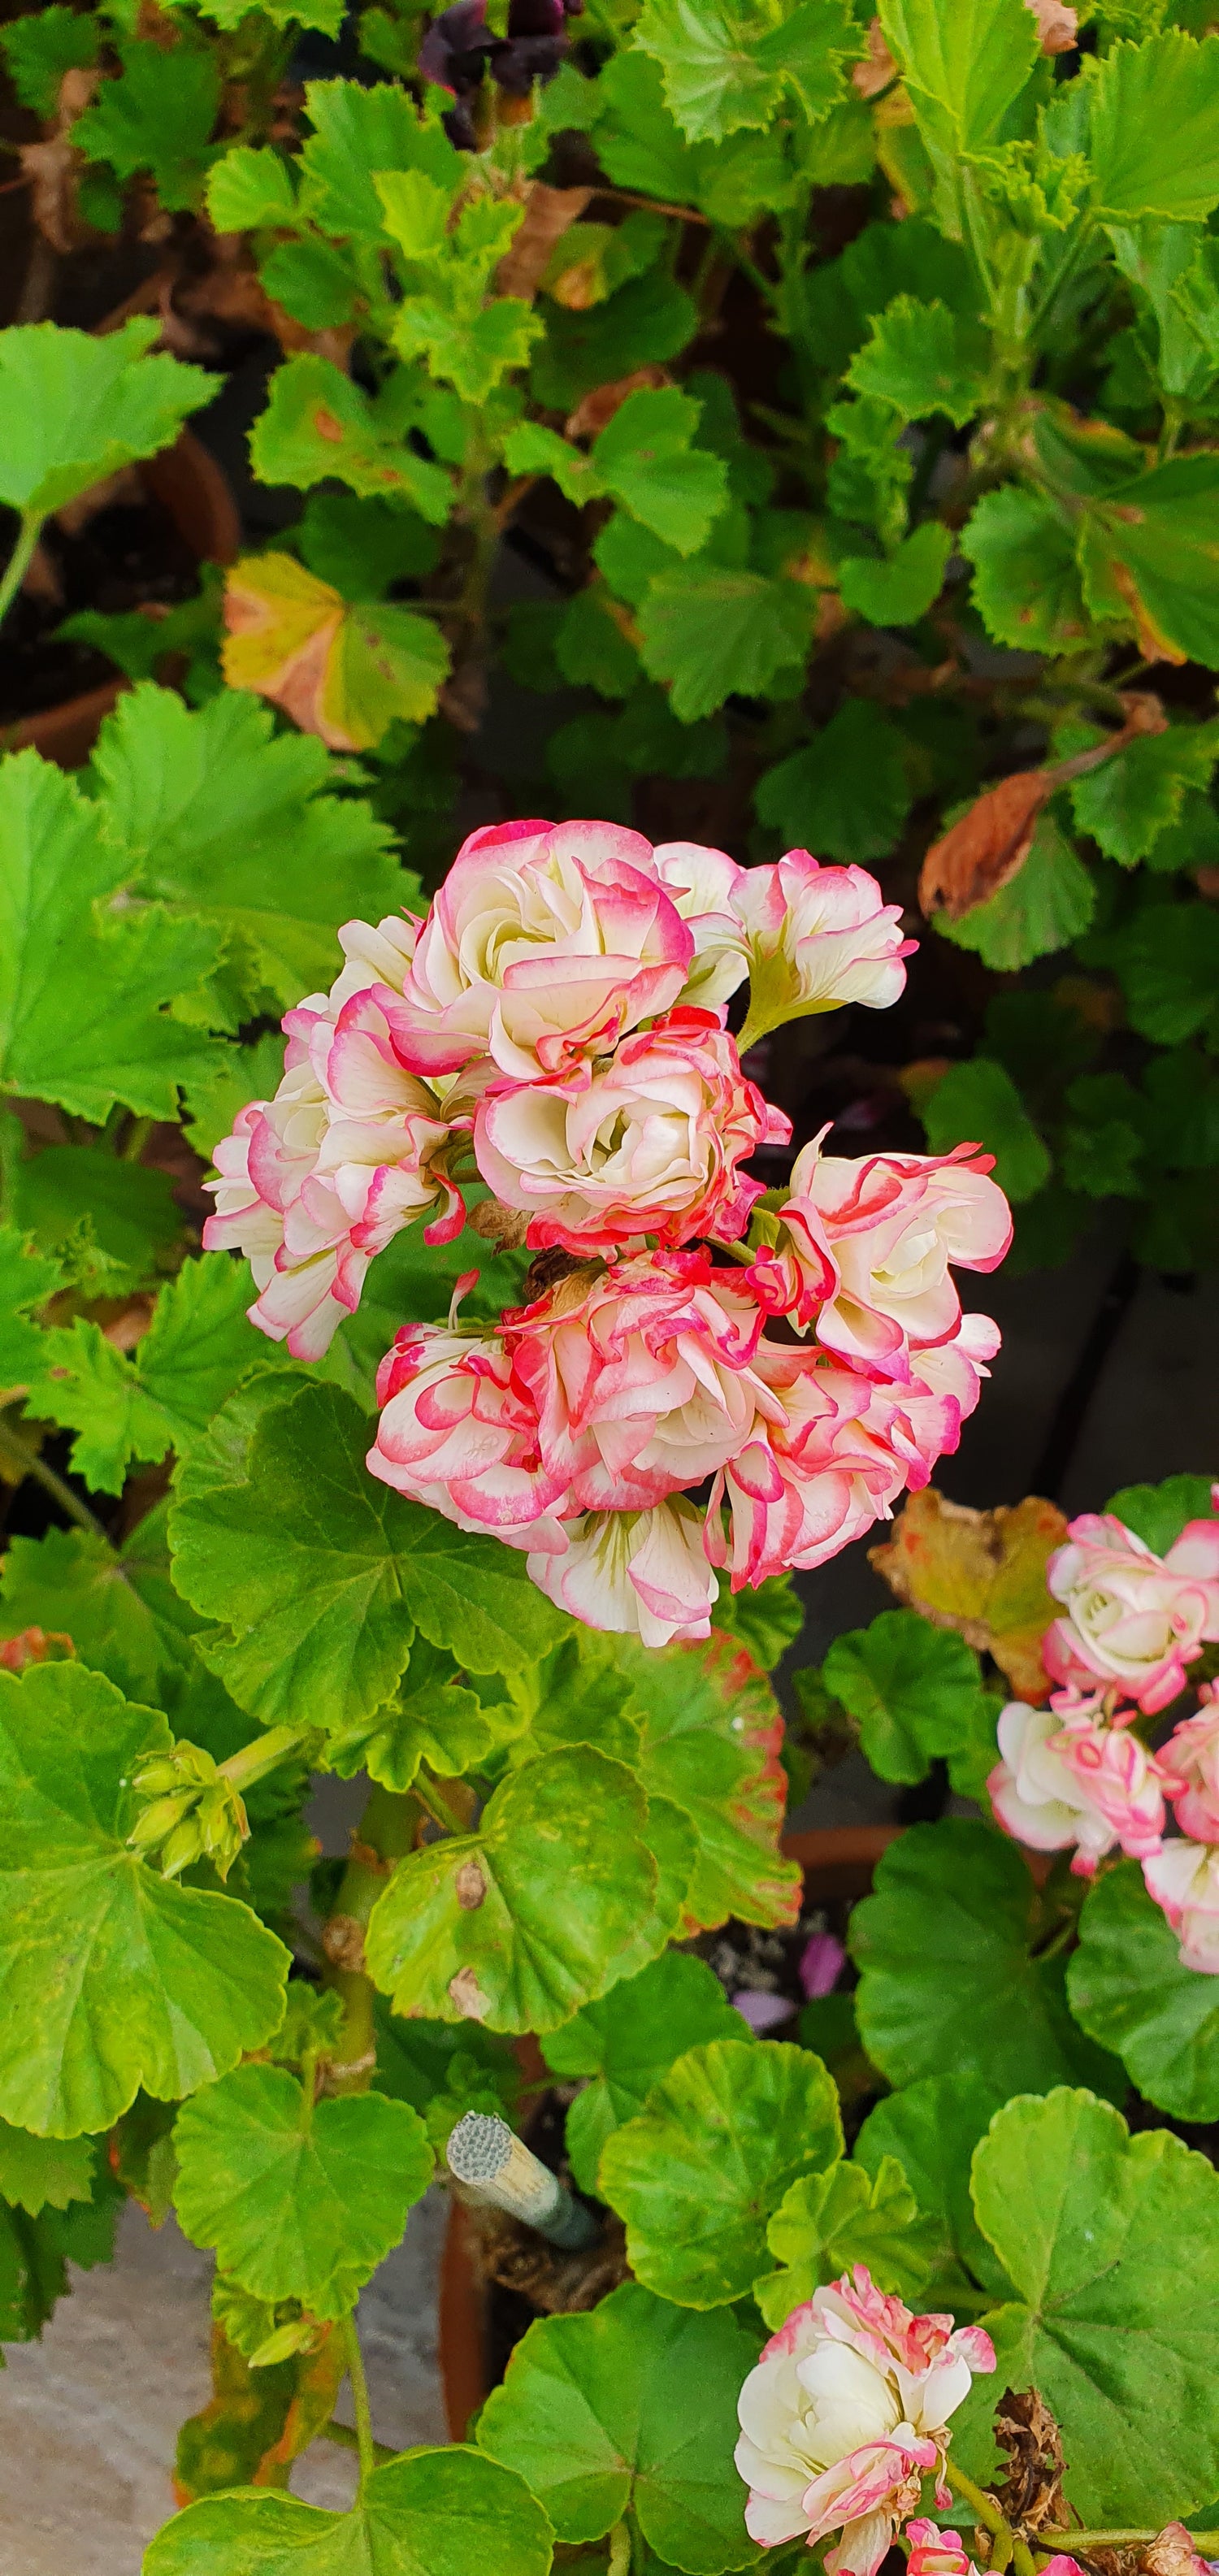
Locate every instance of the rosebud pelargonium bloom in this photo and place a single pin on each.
(459, 1432)
(641, 1574)
(1082, 1785)
(1184, 1880)
(817, 937)
(1190, 1764)
(936, 2553)
(646, 1142)
(1132, 1617)
(844, 2416)
(864, 1248)
(703, 884)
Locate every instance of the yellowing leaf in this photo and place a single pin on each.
(343, 672)
(982, 1573)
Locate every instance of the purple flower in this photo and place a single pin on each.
(821, 1964)
(761, 2011)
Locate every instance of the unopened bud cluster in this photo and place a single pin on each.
(192, 1812)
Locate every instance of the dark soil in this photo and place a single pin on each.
(128, 553)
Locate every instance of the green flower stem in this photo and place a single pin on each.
(350, 2441)
(359, 2392)
(265, 1754)
(1205, 2542)
(620, 2550)
(985, 2507)
(26, 1462)
(428, 1795)
(386, 1830)
(19, 561)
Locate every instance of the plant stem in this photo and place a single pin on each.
(13, 1455)
(265, 1754)
(350, 2441)
(359, 2392)
(984, 2505)
(386, 1830)
(1205, 2542)
(19, 561)
(441, 1813)
(1022, 2557)
(620, 2550)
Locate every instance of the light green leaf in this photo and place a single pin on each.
(979, 1102)
(358, 131)
(699, 2173)
(965, 64)
(27, 1279)
(922, 358)
(631, 2409)
(102, 1598)
(318, 424)
(847, 794)
(322, 1574)
(932, 2128)
(828, 2222)
(730, 65)
(83, 988)
(104, 1218)
(1026, 579)
(948, 1949)
(913, 1689)
(316, 283)
(1049, 902)
(158, 116)
(111, 1977)
(432, 1718)
(1129, 1991)
(1154, 145)
(431, 2513)
(714, 633)
(1158, 1513)
(898, 589)
(711, 1738)
(89, 1386)
(1131, 799)
(44, 2173)
(1146, 550)
(630, 2039)
(325, 15)
(1113, 2244)
(472, 352)
(236, 827)
(645, 459)
(249, 188)
(767, 1619)
(521, 1922)
(301, 2200)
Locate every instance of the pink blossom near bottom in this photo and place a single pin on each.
(846, 2414)
(1184, 1880)
(1075, 1784)
(936, 2553)
(1190, 1764)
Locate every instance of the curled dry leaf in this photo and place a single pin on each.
(877, 69)
(1031, 2493)
(982, 1573)
(597, 408)
(988, 847)
(1057, 27)
(548, 214)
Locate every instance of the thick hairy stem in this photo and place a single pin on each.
(387, 1829)
(265, 1754)
(19, 561)
(988, 2512)
(359, 2393)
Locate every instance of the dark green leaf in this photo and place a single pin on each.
(847, 794)
(1049, 902)
(1026, 579)
(1158, 1513)
(158, 116)
(979, 1102)
(626, 2042)
(41, 48)
(897, 591)
(715, 634)
(913, 1689)
(1128, 1989)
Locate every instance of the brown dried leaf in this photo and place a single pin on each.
(1057, 26)
(592, 413)
(1031, 2494)
(982, 1573)
(988, 847)
(877, 69)
(52, 169)
(548, 213)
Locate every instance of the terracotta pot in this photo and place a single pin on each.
(837, 1862)
(193, 488)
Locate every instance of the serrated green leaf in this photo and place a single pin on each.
(322, 1575)
(301, 2200)
(979, 1101)
(27, 1279)
(82, 988)
(363, 547)
(41, 48)
(111, 1977)
(914, 1691)
(767, 1618)
(431, 2513)
(847, 794)
(357, 131)
(829, 2222)
(711, 1739)
(44, 2173)
(79, 1586)
(431, 1718)
(129, 1211)
(76, 408)
(947, 1947)
(234, 828)
(1146, 552)
(731, 65)
(1154, 144)
(899, 589)
(701, 2170)
(1026, 579)
(714, 634)
(313, 281)
(1167, 959)
(626, 2042)
(158, 116)
(471, 352)
(1131, 799)
(235, 1075)
(1113, 2242)
(521, 1922)
(325, 15)
(1049, 902)
(931, 2128)
(1128, 1990)
(644, 458)
(249, 188)
(318, 424)
(631, 2409)
(646, 322)
(923, 359)
(590, 648)
(965, 64)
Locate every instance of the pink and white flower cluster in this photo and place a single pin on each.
(556, 1029)
(844, 2416)
(1075, 1773)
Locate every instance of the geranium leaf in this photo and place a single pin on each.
(982, 1573)
(41, 48)
(716, 633)
(356, 131)
(117, 1605)
(1154, 138)
(318, 424)
(83, 988)
(645, 459)
(1146, 551)
(107, 1219)
(829, 2222)
(344, 672)
(948, 1948)
(1129, 1991)
(111, 1977)
(44, 2173)
(711, 1739)
(301, 2200)
(249, 188)
(922, 358)
(627, 2042)
(1049, 902)
(701, 2170)
(631, 2409)
(847, 794)
(158, 116)
(76, 407)
(27, 1279)
(1158, 1513)
(899, 589)
(766, 1619)
(1167, 958)
(1026, 578)
(729, 66)
(979, 1101)
(322, 1574)
(1111, 2243)
(931, 2128)
(914, 1691)
(1130, 800)
(965, 63)
(521, 1922)
(431, 2513)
